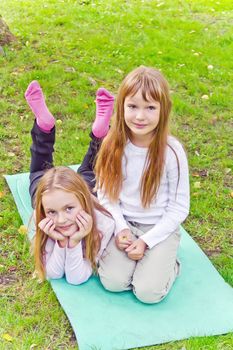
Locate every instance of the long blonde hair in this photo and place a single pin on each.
(67, 180)
(108, 166)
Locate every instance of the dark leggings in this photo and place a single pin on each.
(42, 158)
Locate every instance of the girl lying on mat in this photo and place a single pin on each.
(72, 228)
(143, 181)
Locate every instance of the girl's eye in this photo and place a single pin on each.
(68, 209)
(131, 106)
(51, 212)
(151, 108)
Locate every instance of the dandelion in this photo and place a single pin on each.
(23, 230)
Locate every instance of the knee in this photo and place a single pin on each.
(150, 294)
(113, 283)
(114, 276)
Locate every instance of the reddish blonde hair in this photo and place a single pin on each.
(108, 166)
(67, 180)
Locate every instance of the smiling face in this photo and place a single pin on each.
(141, 117)
(62, 207)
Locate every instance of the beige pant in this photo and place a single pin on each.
(150, 278)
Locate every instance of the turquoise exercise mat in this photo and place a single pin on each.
(199, 304)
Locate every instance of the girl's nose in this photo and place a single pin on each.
(139, 115)
(60, 218)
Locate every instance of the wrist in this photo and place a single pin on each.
(73, 243)
(143, 243)
(62, 244)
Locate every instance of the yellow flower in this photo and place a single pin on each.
(7, 337)
(23, 230)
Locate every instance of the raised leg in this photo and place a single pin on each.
(41, 156)
(36, 101)
(100, 127)
(86, 169)
(104, 110)
(43, 135)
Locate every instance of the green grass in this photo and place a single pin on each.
(74, 47)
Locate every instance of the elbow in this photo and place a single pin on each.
(76, 280)
(54, 275)
(183, 210)
(79, 273)
(185, 214)
(187, 210)
(54, 272)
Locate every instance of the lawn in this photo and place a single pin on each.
(72, 48)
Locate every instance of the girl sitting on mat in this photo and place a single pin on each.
(142, 178)
(72, 229)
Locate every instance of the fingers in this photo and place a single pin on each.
(132, 246)
(124, 239)
(138, 245)
(48, 227)
(84, 218)
(135, 257)
(84, 222)
(45, 224)
(135, 253)
(122, 245)
(136, 250)
(131, 251)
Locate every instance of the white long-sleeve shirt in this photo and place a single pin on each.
(171, 205)
(70, 261)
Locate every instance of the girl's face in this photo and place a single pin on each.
(141, 117)
(62, 207)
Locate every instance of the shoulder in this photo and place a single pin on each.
(106, 226)
(104, 222)
(175, 151)
(173, 142)
(174, 146)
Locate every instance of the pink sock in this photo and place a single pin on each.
(36, 101)
(104, 109)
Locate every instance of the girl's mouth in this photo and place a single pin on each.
(140, 126)
(64, 228)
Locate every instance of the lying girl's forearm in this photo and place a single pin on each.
(77, 269)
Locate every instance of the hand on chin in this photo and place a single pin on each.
(67, 232)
